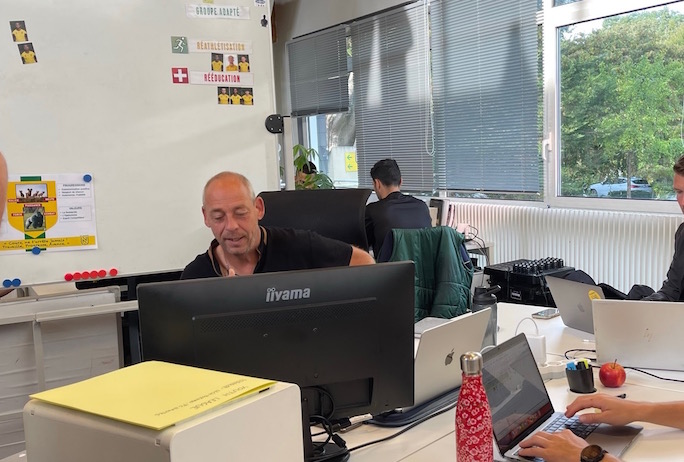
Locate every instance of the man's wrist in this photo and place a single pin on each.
(592, 453)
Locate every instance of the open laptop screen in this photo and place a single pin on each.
(515, 391)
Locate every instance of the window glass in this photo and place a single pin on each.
(333, 136)
(389, 115)
(621, 90)
(319, 72)
(486, 89)
(391, 81)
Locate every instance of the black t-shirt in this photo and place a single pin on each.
(398, 211)
(286, 249)
(673, 287)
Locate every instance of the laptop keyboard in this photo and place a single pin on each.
(573, 424)
(561, 423)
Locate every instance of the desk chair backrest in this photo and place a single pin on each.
(335, 213)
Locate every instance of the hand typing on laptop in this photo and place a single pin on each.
(564, 446)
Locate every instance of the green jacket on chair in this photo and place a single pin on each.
(442, 278)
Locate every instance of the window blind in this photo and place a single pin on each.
(319, 73)
(391, 95)
(486, 94)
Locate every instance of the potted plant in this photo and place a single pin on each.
(306, 173)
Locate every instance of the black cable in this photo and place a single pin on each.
(481, 245)
(653, 375)
(325, 392)
(320, 445)
(326, 426)
(404, 430)
(578, 350)
(668, 379)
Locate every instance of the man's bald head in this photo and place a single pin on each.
(227, 178)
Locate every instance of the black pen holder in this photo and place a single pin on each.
(581, 380)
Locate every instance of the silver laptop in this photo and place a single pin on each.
(573, 300)
(639, 333)
(437, 367)
(521, 406)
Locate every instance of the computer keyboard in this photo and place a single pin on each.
(572, 424)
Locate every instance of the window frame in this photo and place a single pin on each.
(555, 18)
(551, 18)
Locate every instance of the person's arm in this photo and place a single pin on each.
(616, 411)
(360, 257)
(563, 446)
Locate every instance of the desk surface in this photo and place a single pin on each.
(434, 440)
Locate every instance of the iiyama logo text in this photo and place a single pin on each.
(273, 295)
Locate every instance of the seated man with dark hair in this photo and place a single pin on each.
(673, 287)
(241, 246)
(393, 209)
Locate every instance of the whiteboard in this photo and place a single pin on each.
(100, 100)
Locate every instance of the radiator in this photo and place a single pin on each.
(617, 248)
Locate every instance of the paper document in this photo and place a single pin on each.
(153, 394)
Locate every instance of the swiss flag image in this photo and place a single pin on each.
(179, 75)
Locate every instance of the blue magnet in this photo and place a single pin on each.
(16, 282)
(87, 178)
(7, 283)
(35, 250)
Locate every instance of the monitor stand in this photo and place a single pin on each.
(329, 452)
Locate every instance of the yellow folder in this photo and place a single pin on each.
(153, 394)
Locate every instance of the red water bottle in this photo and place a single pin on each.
(474, 440)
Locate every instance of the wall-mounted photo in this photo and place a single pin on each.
(243, 63)
(19, 33)
(34, 218)
(223, 95)
(217, 62)
(28, 55)
(247, 97)
(231, 65)
(31, 192)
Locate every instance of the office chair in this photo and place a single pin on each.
(335, 213)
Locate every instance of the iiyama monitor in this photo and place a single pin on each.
(344, 335)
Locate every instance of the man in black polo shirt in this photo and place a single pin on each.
(393, 209)
(242, 247)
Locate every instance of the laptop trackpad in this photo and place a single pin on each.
(614, 439)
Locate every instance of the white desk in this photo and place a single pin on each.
(434, 440)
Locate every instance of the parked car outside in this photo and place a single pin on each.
(617, 187)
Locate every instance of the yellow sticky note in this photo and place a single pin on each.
(153, 394)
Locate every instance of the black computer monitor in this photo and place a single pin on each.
(344, 335)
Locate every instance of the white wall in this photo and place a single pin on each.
(299, 17)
